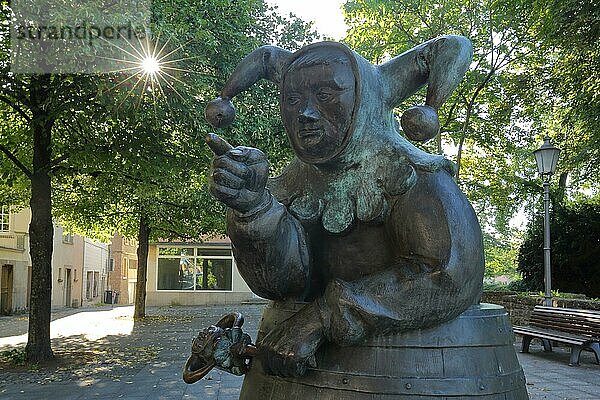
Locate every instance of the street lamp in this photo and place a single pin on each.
(546, 158)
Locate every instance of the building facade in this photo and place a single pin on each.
(84, 270)
(122, 275)
(95, 268)
(67, 269)
(15, 265)
(78, 265)
(182, 273)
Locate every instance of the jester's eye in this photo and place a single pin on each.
(293, 99)
(325, 94)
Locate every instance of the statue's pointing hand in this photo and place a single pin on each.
(239, 175)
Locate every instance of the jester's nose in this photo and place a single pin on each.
(310, 114)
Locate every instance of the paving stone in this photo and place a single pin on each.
(168, 333)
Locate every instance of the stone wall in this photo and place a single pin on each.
(519, 306)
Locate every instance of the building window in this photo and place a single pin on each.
(95, 284)
(124, 267)
(67, 238)
(89, 285)
(21, 242)
(194, 268)
(4, 218)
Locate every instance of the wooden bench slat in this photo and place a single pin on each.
(592, 320)
(579, 321)
(565, 325)
(573, 310)
(569, 311)
(552, 335)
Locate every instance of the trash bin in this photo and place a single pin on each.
(108, 296)
(116, 298)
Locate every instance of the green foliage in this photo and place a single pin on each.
(152, 159)
(559, 80)
(501, 255)
(495, 287)
(562, 295)
(535, 72)
(518, 285)
(575, 249)
(481, 127)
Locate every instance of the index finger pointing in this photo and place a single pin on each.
(217, 144)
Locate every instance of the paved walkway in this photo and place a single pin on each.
(105, 355)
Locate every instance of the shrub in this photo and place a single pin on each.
(495, 287)
(518, 286)
(575, 255)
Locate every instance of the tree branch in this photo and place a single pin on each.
(173, 232)
(15, 107)
(16, 161)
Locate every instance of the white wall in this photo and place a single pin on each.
(95, 259)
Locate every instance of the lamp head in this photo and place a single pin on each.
(546, 157)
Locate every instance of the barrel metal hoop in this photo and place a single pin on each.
(467, 386)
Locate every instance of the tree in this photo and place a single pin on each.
(560, 81)
(39, 113)
(483, 128)
(160, 179)
(479, 123)
(535, 72)
(58, 125)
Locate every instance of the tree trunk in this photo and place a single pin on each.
(41, 230)
(142, 270)
(562, 186)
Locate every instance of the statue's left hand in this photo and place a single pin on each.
(290, 348)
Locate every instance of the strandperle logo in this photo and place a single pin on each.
(85, 31)
(76, 36)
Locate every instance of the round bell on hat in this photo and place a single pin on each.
(420, 123)
(266, 62)
(220, 112)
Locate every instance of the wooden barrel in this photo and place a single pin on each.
(470, 357)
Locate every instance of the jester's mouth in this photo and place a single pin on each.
(310, 136)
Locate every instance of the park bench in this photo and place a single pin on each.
(578, 328)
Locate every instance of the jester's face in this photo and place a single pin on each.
(318, 97)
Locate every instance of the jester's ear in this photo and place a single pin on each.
(266, 62)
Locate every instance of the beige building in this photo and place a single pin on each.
(95, 268)
(122, 275)
(15, 267)
(182, 273)
(179, 273)
(67, 269)
(78, 265)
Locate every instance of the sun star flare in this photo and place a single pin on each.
(150, 65)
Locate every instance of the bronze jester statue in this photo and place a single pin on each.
(363, 238)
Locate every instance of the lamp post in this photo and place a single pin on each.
(546, 158)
